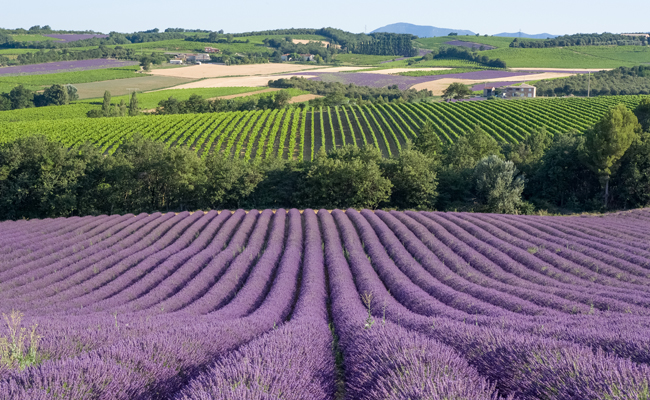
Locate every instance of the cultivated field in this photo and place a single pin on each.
(216, 71)
(369, 305)
(438, 86)
(300, 133)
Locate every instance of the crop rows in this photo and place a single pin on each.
(300, 133)
(353, 305)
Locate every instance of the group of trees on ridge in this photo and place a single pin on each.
(583, 39)
(21, 97)
(619, 81)
(608, 167)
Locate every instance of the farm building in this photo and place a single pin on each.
(307, 57)
(212, 50)
(489, 91)
(522, 90)
(175, 61)
(197, 57)
(285, 57)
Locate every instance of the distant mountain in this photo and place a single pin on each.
(420, 30)
(527, 36)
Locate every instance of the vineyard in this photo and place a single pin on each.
(299, 133)
(328, 305)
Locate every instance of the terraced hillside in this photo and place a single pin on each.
(299, 133)
(323, 306)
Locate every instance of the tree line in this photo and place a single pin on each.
(608, 167)
(464, 54)
(619, 81)
(583, 39)
(21, 97)
(118, 52)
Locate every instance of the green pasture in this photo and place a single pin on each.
(566, 57)
(38, 82)
(32, 38)
(496, 41)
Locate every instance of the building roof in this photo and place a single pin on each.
(523, 85)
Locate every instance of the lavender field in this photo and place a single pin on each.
(404, 82)
(320, 305)
(64, 66)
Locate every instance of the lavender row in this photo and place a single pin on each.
(295, 361)
(503, 356)
(383, 360)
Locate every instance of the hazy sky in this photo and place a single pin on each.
(481, 16)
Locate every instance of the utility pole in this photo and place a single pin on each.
(589, 84)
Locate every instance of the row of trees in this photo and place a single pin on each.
(619, 81)
(197, 104)
(582, 39)
(21, 97)
(607, 167)
(464, 54)
(118, 52)
(116, 110)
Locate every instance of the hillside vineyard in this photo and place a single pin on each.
(299, 133)
(369, 305)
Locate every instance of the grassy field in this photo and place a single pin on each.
(632, 54)
(150, 100)
(37, 82)
(32, 38)
(567, 57)
(120, 87)
(298, 133)
(435, 42)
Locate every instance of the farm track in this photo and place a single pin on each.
(215, 289)
(386, 126)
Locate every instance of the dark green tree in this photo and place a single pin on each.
(528, 153)
(230, 180)
(561, 179)
(456, 91)
(21, 97)
(38, 179)
(5, 102)
(344, 179)
(56, 95)
(106, 105)
(281, 99)
(72, 93)
(606, 142)
(497, 187)
(427, 142)
(457, 164)
(414, 180)
(133, 105)
(642, 113)
(632, 180)
(153, 177)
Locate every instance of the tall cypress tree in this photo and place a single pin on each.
(133, 105)
(106, 106)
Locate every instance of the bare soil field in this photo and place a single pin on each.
(439, 85)
(238, 81)
(215, 71)
(119, 87)
(302, 98)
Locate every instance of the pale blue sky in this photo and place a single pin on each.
(481, 16)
